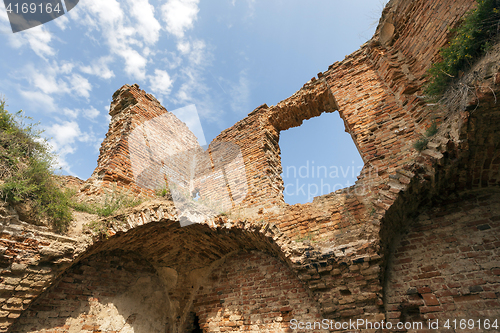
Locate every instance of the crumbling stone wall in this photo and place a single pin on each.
(30, 258)
(148, 148)
(447, 264)
(108, 292)
(344, 247)
(130, 108)
(253, 292)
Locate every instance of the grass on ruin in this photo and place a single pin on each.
(163, 192)
(471, 40)
(307, 238)
(98, 227)
(114, 202)
(432, 130)
(27, 171)
(421, 143)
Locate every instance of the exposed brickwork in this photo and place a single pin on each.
(123, 164)
(447, 265)
(30, 257)
(258, 134)
(336, 247)
(253, 292)
(109, 292)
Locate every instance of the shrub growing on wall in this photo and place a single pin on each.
(26, 171)
(471, 40)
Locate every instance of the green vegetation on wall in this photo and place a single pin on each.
(27, 173)
(114, 202)
(471, 40)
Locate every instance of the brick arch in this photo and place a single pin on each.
(110, 291)
(314, 99)
(174, 259)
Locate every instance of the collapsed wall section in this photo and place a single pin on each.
(339, 241)
(258, 135)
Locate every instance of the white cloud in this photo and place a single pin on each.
(90, 113)
(47, 81)
(57, 79)
(131, 32)
(38, 38)
(61, 22)
(135, 64)
(65, 67)
(240, 94)
(184, 47)
(148, 27)
(65, 133)
(39, 99)
(124, 37)
(198, 53)
(3, 15)
(64, 138)
(80, 85)
(99, 68)
(179, 15)
(160, 83)
(108, 11)
(191, 84)
(194, 90)
(72, 113)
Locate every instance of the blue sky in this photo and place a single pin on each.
(224, 56)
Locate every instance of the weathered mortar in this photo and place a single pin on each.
(447, 264)
(350, 267)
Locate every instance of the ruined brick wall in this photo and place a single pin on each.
(258, 135)
(377, 87)
(162, 150)
(142, 133)
(30, 257)
(338, 246)
(148, 148)
(481, 167)
(249, 135)
(447, 264)
(253, 292)
(108, 292)
(376, 92)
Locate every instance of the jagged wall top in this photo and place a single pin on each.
(130, 108)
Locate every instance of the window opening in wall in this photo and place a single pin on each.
(318, 158)
(196, 194)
